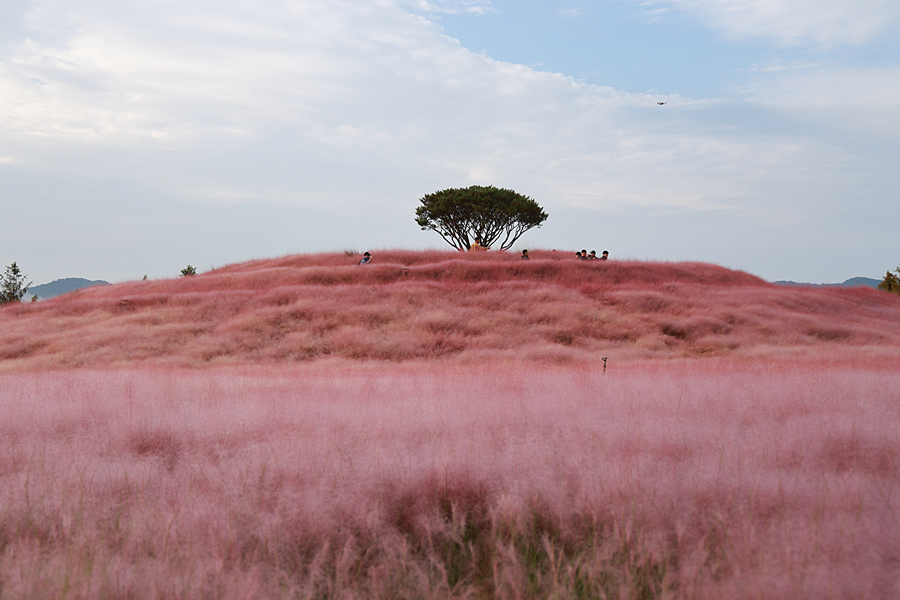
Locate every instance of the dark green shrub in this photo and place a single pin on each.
(13, 286)
(891, 282)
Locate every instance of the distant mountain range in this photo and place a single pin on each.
(852, 282)
(59, 287)
(62, 286)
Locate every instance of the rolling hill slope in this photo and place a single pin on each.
(464, 308)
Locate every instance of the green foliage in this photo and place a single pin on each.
(188, 271)
(459, 215)
(891, 282)
(13, 286)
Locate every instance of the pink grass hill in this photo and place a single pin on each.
(466, 308)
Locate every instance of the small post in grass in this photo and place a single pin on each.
(604, 358)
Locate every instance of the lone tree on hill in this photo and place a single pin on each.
(13, 286)
(460, 215)
(891, 282)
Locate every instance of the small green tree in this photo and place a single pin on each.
(188, 271)
(13, 286)
(459, 215)
(891, 282)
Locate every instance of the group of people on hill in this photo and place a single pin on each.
(583, 255)
(476, 247)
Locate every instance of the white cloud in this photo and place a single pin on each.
(858, 101)
(453, 7)
(362, 84)
(821, 22)
(570, 13)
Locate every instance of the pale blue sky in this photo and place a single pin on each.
(138, 137)
(616, 44)
(648, 47)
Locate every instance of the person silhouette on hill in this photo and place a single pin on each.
(366, 259)
(476, 245)
(592, 255)
(605, 255)
(525, 255)
(583, 254)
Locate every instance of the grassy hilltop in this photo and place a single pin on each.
(437, 425)
(464, 308)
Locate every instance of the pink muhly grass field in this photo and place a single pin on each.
(699, 478)
(464, 308)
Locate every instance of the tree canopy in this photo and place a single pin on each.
(459, 215)
(12, 285)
